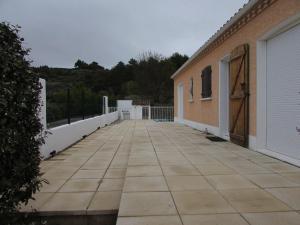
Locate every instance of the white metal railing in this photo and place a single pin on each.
(112, 109)
(159, 113)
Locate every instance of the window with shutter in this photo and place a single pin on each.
(206, 82)
(191, 89)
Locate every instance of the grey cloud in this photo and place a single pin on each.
(107, 31)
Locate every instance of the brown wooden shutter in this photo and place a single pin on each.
(206, 82)
(203, 83)
(239, 95)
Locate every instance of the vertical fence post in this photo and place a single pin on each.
(100, 105)
(82, 103)
(42, 113)
(68, 105)
(105, 104)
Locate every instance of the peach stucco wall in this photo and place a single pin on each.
(207, 112)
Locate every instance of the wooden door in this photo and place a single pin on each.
(239, 95)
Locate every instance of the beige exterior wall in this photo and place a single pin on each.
(207, 112)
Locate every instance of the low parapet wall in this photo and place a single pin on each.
(64, 136)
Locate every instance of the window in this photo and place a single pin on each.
(191, 89)
(206, 82)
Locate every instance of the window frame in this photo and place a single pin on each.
(206, 83)
(191, 89)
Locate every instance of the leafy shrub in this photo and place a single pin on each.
(20, 127)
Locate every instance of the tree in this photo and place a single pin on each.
(178, 59)
(20, 127)
(147, 76)
(95, 66)
(80, 64)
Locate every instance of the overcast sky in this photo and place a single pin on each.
(108, 31)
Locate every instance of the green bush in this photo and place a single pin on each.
(20, 127)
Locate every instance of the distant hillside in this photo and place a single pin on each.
(146, 77)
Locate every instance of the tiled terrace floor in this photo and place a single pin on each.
(172, 175)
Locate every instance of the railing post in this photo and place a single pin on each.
(82, 103)
(68, 105)
(105, 104)
(149, 113)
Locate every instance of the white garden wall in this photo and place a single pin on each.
(63, 136)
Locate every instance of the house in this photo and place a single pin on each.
(243, 84)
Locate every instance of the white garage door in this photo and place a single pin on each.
(283, 93)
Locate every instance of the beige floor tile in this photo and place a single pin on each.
(149, 220)
(177, 170)
(134, 184)
(201, 202)
(119, 163)
(147, 204)
(273, 218)
(88, 174)
(53, 185)
(202, 159)
(281, 167)
(290, 196)
(143, 161)
(246, 167)
(60, 172)
(166, 158)
(215, 169)
(37, 202)
(95, 165)
(270, 180)
(229, 182)
(68, 202)
(253, 200)
(80, 185)
(187, 183)
(215, 219)
(105, 201)
(176, 146)
(79, 160)
(143, 171)
(111, 184)
(115, 173)
(294, 177)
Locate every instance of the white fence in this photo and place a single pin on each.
(162, 113)
(64, 136)
(112, 109)
(156, 113)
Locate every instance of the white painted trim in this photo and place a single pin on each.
(213, 130)
(279, 156)
(224, 77)
(261, 84)
(180, 101)
(206, 99)
(261, 94)
(177, 120)
(200, 126)
(252, 142)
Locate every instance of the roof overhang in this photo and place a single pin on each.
(227, 25)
